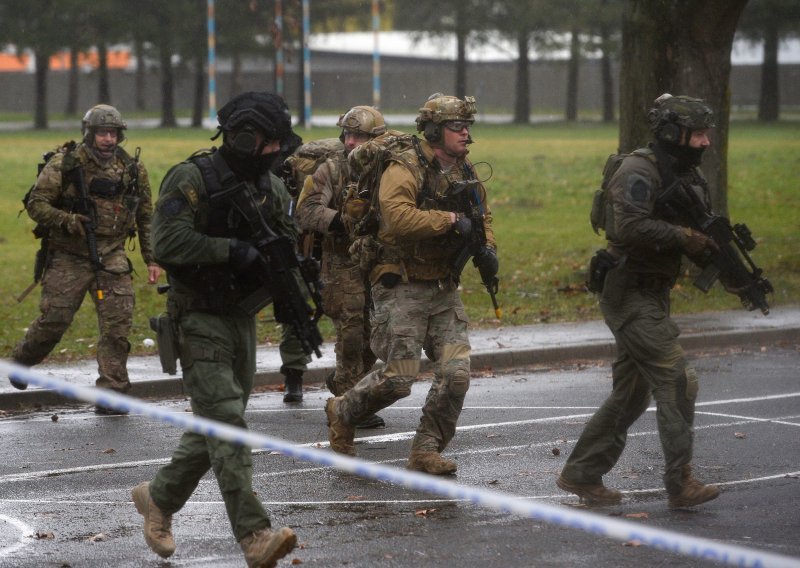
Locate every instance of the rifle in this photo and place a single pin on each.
(279, 253)
(471, 206)
(732, 263)
(87, 207)
(39, 266)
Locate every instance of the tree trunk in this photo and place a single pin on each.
(461, 51)
(571, 110)
(769, 101)
(199, 92)
(606, 76)
(167, 88)
(522, 104)
(103, 85)
(139, 84)
(681, 47)
(42, 66)
(72, 86)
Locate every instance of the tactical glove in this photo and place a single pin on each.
(462, 226)
(487, 264)
(244, 256)
(73, 224)
(695, 243)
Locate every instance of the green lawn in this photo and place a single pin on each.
(542, 180)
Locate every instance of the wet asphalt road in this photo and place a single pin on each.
(64, 484)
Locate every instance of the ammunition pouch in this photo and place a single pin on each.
(599, 265)
(167, 340)
(105, 188)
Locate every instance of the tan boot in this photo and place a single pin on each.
(692, 491)
(157, 525)
(590, 493)
(431, 462)
(263, 549)
(340, 434)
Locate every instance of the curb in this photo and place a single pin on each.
(504, 359)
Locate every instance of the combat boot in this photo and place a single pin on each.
(157, 525)
(263, 548)
(692, 491)
(590, 493)
(431, 462)
(18, 384)
(371, 421)
(340, 434)
(293, 385)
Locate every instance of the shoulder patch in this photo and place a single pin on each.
(172, 206)
(637, 189)
(191, 196)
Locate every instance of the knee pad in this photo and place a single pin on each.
(459, 380)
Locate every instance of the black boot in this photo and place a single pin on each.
(293, 385)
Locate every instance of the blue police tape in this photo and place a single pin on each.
(595, 524)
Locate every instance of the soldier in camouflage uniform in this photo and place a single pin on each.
(345, 292)
(415, 288)
(210, 264)
(648, 241)
(118, 190)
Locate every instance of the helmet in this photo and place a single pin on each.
(670, 114)
(102, 115)
(439, 109)
(266, 112)
(365, 119)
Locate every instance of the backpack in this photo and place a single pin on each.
(598, 215)
(67, 147)
(308, 157)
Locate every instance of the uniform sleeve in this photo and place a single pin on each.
(314, 209)
(633, 192)
(144, 215)
(399, 213)
(283, 204)
(47, 192)
(175, 240)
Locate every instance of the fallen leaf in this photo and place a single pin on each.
(54, 418)
(637, 515)
(556, 451)
(296, 561)
(109, 451)
(354, 497)
(424, 512)
(41, 535)
(99, 537)
(740, 435)
(494, 482)
(633, 543)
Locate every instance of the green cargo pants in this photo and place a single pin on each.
(650, 361)
(218, 361)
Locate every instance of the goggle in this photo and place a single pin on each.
(457, 125)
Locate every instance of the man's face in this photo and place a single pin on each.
(353, 138)
(455, 137)
(699, 139)
(105, 141)
(270, 146)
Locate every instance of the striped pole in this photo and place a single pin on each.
(306, 64)
(279, 64)
(376, 54)
(212, 64)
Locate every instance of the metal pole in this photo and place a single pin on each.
(212, 64)
(306, 64)
(279, 64)
(376, 54)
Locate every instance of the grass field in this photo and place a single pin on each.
(542, 180)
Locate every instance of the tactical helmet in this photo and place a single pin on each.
(439, 109)
(670, 114)
(102, 115)
(266, 112)
(365, 119)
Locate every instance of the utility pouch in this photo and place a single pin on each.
(167, 339)
(599, 265)
(615, 283)
(598, 213)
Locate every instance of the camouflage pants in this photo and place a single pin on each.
(346, 301)
(650, 361)
(407, 319)
(65, 284)
(218, 361)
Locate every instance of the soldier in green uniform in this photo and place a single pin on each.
(115, 200)
(647, 241)
(345, 292)
(415, 286)
(202, 241)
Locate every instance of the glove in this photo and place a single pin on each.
(462, 226)
(244, 256)
(696, 243)
(336, 225)
(73, 224)
(486, 263)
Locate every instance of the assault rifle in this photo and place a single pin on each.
(731, 264)
(279, 253)
(470, 205)
(87, 207)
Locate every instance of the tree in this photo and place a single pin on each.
(769, 22)
(682, 47)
